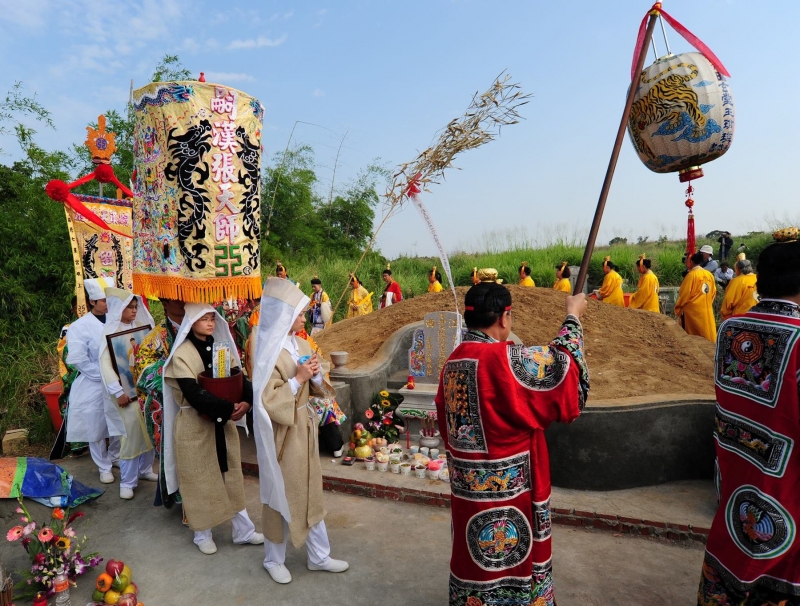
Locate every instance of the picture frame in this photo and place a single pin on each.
(123, 346)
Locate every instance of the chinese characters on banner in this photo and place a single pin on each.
(197, 155)
(97, 253)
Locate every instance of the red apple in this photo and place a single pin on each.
(114, 567)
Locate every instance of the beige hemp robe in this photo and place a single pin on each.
(294, 424)
(208, 498)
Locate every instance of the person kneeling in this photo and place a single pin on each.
(201, 445)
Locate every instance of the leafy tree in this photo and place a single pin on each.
(16, 103)
(617, 240)
(170, 69)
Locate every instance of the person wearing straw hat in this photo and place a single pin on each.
(562, 278)
(359, 303)
(286, 373)
(646, 295)
(741, 293)
(201, 443)
(495, 401)
(86, 421)
(126, 311)
(611, 290)
(434, 280)
(694, 308)
(753, 550)
(525, 275)
(392, 293)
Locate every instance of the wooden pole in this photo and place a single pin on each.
(612, 163)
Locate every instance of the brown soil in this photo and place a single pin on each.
(630, 352)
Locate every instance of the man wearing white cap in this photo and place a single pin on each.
(285, 372)
(708, 263)
(86, 421)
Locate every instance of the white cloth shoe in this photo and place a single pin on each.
(106, 477)
(126, 493)
(330, 566)
(338, 453)
(256, 539)
(208, 547)
(115, 463)
(280, 574)
(150, 476)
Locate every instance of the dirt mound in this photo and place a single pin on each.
(630, 352)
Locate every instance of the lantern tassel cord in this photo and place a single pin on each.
(696, 42)
(642, 41)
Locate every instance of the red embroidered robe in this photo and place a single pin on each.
(494, 402)
(753, 546)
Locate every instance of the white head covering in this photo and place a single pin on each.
(95, 287)
(281, 303)
(222, 333)
(707, 249)
(118, 299)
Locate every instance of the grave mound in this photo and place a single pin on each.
(631, 353)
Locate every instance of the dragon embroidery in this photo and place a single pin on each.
(249, 154)
(188, 151)
(116, 246)
(90, 248)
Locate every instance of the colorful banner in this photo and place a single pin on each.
(99, 253)
(197, 192)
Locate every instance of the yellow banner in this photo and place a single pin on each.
(97, 253)
(197, 192)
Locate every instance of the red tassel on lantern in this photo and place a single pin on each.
(691, 240)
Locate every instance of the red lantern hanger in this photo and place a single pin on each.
(61, 192)
(696, 42)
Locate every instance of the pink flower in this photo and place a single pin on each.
(29, 529)
(14, 533)
(68, 532)
(368, 413)
(19, 510)
(45, 535)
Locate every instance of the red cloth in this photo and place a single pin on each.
(753, 540)
(394, 288)
(494, 402)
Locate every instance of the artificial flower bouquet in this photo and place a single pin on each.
(381, 416)
(51, 546)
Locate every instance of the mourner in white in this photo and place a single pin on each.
(285, 373)
(86, 419)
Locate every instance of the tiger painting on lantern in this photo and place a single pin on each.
(673, 105)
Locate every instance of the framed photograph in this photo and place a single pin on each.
(123, 347)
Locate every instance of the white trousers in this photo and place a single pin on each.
(317, 545)
(131, 469)
(242, 526)
(103, 456)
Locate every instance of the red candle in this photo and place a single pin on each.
(40, 599)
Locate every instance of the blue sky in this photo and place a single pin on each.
(391, 74)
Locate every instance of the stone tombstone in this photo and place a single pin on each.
(441, 333)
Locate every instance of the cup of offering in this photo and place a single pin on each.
(405, 469)
(420, 471)
(369, 464)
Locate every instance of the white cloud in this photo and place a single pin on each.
(223, 77)
(318, 93)
(261, 41)
(281, 17)
(29, 14)
(320, 16)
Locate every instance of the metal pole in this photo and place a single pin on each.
(612, 163)
(664, 32)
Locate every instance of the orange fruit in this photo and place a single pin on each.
(104, 582)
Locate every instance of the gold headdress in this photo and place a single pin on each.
(787, 234)
(475, 271)
(524, 264)
(741, 257)
(389, 266)
(488, 274)
(433, 271)
(606, 260)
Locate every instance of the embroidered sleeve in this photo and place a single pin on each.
(570, 337)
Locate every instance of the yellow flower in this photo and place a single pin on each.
(386, 403)
(383, 394)
(62, 543)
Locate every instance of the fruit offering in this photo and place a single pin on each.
(116, 586)
(360, 442)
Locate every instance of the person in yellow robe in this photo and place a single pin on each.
(646, 295)
(525, 275)
(360, 301)
(434, 281)
(740, 295)
(611, 290)
(562, 278)
(694, 307)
